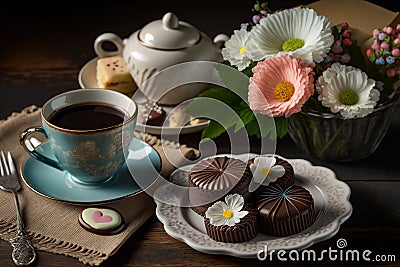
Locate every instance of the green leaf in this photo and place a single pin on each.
(253, 129)
(245, 113)
(213, 130)
(217, 110)
(210, 104)
(281, 126)
(335, 31)
(268, 126)
(234, 80)
(262, 126)
(222, 94)
(249, 70)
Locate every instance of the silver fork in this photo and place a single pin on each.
(23, 252)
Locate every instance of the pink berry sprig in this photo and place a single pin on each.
(340, 50)
(385, 50)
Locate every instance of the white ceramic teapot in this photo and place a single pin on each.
(160, 44)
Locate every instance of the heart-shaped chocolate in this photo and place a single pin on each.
(101, 220)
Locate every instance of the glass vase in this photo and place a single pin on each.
(328, 136)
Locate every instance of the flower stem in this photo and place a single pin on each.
(329, 143)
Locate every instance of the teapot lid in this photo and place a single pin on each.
(169, 34)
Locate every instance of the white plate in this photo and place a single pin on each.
(87, 79)
(332, 204)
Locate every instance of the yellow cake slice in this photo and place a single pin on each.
(113, 73)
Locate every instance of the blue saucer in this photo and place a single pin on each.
(142, 161)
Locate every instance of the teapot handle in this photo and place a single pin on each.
(108, 37)
(220, 39)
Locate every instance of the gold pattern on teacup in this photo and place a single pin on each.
(86, 155)
(120, 142)
(85, 150)
(97, 171)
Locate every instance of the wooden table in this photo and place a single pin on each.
(41, 53)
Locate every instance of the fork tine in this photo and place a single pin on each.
(1, 167)
(10, 162)
(4, 162)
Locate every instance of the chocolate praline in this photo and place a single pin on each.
(288, 177)
(150, 113)
(243, 231)
(210, 180)
(284, 211)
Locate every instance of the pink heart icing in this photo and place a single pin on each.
(98, 217)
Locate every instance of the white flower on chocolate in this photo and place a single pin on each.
(228, 212)
(265, 171)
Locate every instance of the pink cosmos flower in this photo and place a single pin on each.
(280, 86)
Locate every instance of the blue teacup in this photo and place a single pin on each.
(89, 132)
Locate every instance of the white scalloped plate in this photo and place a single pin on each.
(332, 205)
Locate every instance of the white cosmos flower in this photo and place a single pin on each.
(265, 171)
(347, 90)
(235, 50)
(300, 32)
(228, 212)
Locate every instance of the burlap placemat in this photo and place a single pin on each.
(53, 225)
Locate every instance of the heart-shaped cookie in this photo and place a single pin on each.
(101, 220)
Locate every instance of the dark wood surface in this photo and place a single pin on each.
(42, 49)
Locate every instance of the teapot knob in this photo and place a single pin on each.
(170, 21)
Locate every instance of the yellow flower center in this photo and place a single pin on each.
(227, 214)
(283, 91)
(242, 50)
(292, 44)
(348, 97)
(265, 171)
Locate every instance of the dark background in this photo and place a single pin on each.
(32, 30)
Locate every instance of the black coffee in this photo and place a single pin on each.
(87, 116)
